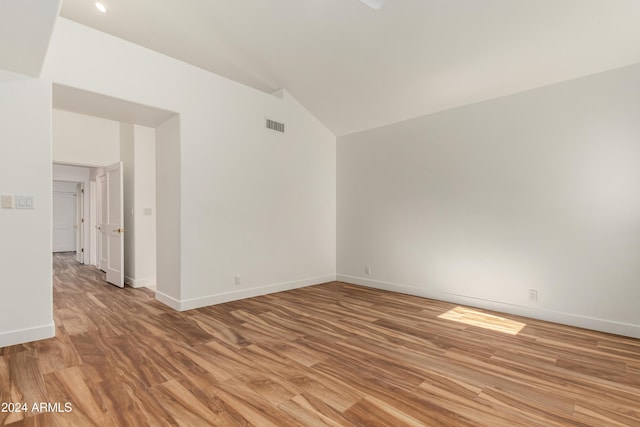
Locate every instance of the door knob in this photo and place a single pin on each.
(119, 230)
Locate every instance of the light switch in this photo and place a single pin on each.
(148, 211)
(24, 202)
(7, 201)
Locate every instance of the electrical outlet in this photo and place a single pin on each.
(367, 270)
(533, 295)
(237, 280)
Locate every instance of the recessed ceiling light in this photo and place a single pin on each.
(102, 8)
(373, 4)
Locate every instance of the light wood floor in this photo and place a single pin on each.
(332, 354)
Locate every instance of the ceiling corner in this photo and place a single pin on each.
(26, 27)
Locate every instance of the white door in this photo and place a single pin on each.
(80, 222)
(112, 225)
(64, 222)
(103, 249)
(93, 223)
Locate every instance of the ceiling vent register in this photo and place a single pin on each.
(275, 126)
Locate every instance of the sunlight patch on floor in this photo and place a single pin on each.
(472, 317)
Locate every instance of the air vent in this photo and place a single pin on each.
(275, 126)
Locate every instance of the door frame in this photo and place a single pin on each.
(101, 187)
(80, 220)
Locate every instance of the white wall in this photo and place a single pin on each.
(26, 305)
(64, 187)
(85, 140)
(127, 158)
(253, 202)
(71, 173)
(168, 218)
(477, 205)
(145, 205)
(137, 152)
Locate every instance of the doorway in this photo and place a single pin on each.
(65, 217)
(71, 215)
(93, 129)
(90, 221)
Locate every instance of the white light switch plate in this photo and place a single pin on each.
(6, 201)
(24, 202)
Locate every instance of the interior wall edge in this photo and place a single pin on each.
(139, 283)
(168, 300)
(26, 335)
(193, 303)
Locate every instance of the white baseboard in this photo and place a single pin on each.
(168, 300)
(190, 304)
(603, 325)
(139, 283)
(27, 335)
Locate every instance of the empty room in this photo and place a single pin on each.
(320, 212)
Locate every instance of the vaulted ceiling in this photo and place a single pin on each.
(25, 30)
(357, 68)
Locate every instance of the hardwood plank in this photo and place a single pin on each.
(185, 407)
(368, 413)
(39, 420)
(26, 379)
(310, 411)
(252, 407)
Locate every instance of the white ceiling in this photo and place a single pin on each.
(356, 68)
(25, 31)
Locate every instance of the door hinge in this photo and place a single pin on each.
(82, 250)
(82, 220)
(82, 191)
